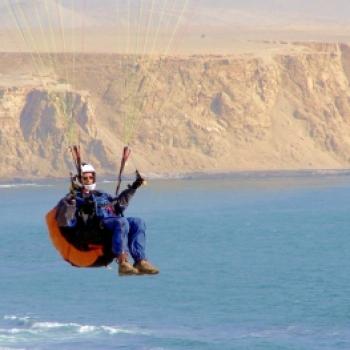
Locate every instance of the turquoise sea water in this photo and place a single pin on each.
(255, 262)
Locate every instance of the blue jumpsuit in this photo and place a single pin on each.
(128, 234)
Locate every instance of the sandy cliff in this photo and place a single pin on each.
(287, 107)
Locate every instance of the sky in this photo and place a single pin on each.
(327, 10)
(306, 19)
(331, 9)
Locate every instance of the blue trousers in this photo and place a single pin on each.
(128, 235)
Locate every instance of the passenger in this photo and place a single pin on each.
(88, 210)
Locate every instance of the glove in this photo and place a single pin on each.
(138, 182)
(74, 187)
(71, 198)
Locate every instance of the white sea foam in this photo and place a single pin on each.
(14, 330)
(24, 185)
(21, 319)
(24, 326)
(53, 325)
(116, 330)
(87, 329)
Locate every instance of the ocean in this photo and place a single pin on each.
(254, 261)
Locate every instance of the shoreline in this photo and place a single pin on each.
(189, 176)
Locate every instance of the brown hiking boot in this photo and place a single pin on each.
(146, 268)
(126, 269)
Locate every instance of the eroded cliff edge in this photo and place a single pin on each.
(285, 109)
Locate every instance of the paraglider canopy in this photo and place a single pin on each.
(59, 36)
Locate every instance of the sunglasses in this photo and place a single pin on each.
(88, 177)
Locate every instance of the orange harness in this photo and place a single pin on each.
(94, 257)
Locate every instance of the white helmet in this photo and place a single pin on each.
(88, 168)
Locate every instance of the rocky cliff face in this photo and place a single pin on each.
(286, 109)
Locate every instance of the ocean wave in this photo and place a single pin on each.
(5, 186)
(22, 328)
(20, 320)
(17, 332)
(82, 329)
